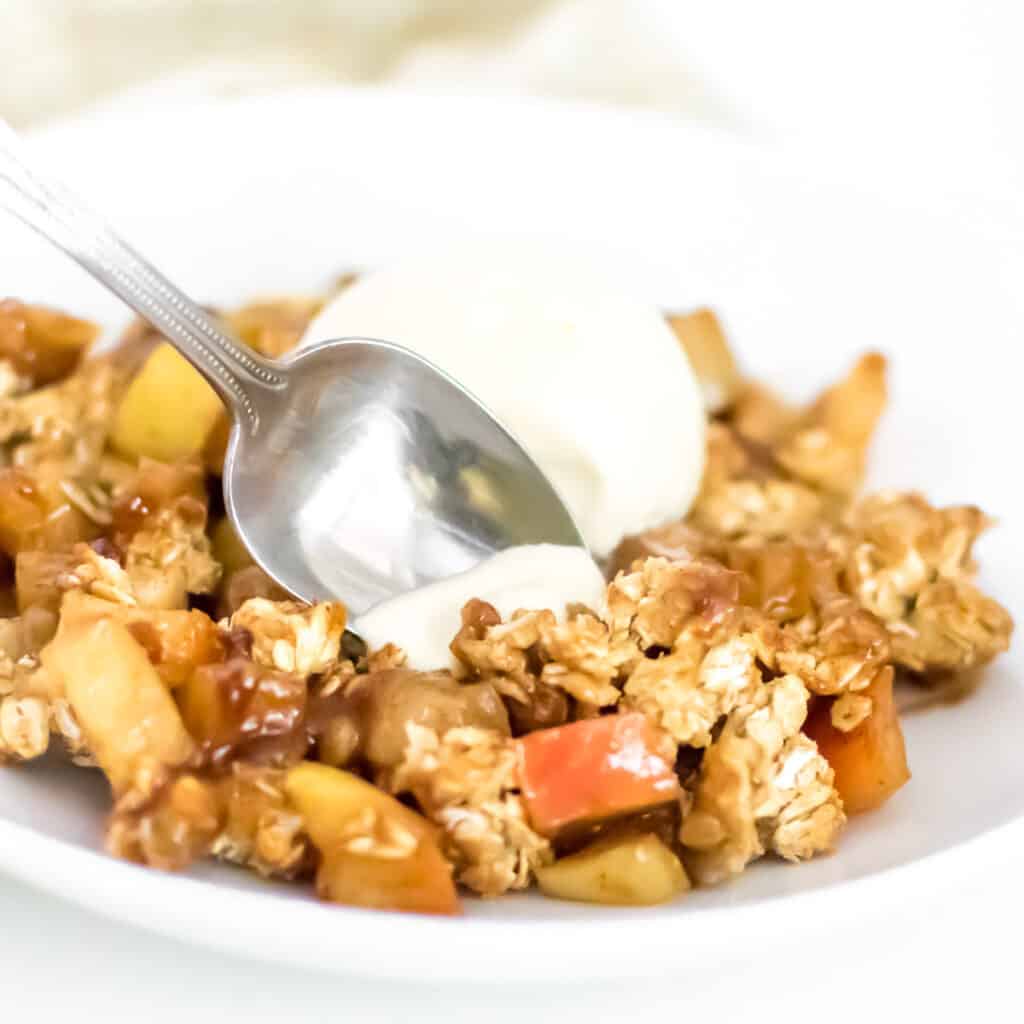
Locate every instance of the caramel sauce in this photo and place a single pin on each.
(158, 486)
(237, 708)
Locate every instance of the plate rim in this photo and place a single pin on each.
(561, 948)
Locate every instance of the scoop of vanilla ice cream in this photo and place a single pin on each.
(591, 380)
(424, 621)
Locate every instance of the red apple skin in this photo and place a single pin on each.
(594, 769)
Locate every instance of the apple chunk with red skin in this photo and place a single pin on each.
(594, 769)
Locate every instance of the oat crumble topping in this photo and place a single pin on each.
(467, 782)
(292, 636)
(762, 786)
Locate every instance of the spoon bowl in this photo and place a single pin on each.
(371, 472)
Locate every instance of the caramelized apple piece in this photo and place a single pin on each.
(177, 641)
(156, 486)
(42, 345)
(828, 446)
(594, 769)
(703, 339)
(374, 851)
(761, 417)
(36, 515)
(130, 722)
(418, 881)
(274, 326)
(22, 512)
(373, 713)
(870, 763)
(781, 578)
(163, 588)
(239, 707)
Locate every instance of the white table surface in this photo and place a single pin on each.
(60, 963)
(934, 115)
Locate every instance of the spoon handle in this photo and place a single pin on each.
(46, 206)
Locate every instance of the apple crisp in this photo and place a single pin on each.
(730, 699)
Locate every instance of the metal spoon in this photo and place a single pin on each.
(356, 470)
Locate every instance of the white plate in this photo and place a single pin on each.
(282, 193)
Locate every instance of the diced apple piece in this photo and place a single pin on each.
(80, 607)
(155, 486)
(593, 769)
(628, 871)
(130, 721)
(761, 416)
(177, 641)
(168, 410)
(375, 852)
(42, 344)
(419, 883)
(238, 705)
(160, 484)
(377, 708)
(274, 326)
(22, 512)
(870, 763)
(703, 339)
(164, 588)
(35, 515)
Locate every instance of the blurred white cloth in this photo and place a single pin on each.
(893, 95)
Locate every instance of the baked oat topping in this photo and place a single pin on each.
(175, 546)
(467, 781)
(912, 565)
(292, 636)
(260, 829)
(762, 786)
(691, 689)
(97, 575)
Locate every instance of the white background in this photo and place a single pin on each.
(918, 100)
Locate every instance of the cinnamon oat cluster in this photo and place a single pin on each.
(731, 698)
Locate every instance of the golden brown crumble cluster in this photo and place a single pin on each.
(730, 699)
(466, 780)
(680, 646)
